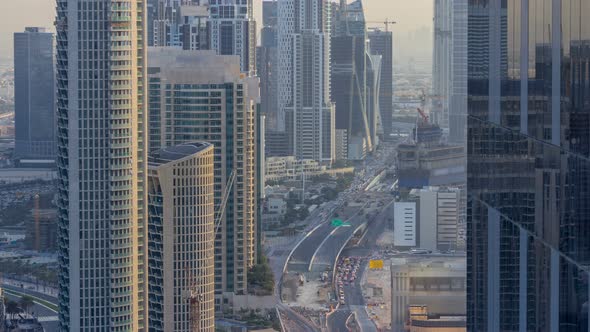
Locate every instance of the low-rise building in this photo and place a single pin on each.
(421, 320)
(289, 168)
(427, 281)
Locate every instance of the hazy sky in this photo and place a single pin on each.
(16, 14)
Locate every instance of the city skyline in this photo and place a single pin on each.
(409, 15)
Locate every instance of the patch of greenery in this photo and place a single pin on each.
(261, 278)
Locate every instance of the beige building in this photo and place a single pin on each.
(427, 281)
(201, 96)
(181, 236)
(422, 321)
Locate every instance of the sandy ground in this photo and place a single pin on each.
(377, 292)
(313, 294)
(376, 286)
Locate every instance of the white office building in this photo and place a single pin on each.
(404, 224)
(304, 78)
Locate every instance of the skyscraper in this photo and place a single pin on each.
(233, 31)
(381, 43)
(266, 56)
(449, 86)
(181, 237)
(101, 159)
(34, 94)
(458, 83)
(528, 230)
(201, 96)
(349, 83)
(442, 58)
(304, 78)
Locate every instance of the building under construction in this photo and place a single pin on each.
(427, 160)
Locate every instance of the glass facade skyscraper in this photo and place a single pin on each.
(101, 159)
(34, 92)
(528, 224)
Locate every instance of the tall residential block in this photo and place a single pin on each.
(233, 31)
(181, 238)
(304, 78)
(34, 93)
(528, 149)
(178, 24)
(102, 160)
(201, 96)
(381, 43)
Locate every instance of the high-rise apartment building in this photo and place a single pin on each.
(178, 24)
(381, 43)
(528, 235)
(201, 96)
(101, 159)
(181, 237)
(233, 31)
(34, 93)
(304, 78)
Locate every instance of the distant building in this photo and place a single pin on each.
(341, 144)
(176, 24)
(181, 236)
(277, 144)
(381, 43)
(282, 168)
(449, 70)
(42, 230)
(436, 283)
(267, 68)
(211, 100)
(404, 224)
(233, 31)
(34, 95)
(304, 78)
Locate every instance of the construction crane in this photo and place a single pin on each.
(195, 298)
(37, 217)
(386, 23)
(423, 115)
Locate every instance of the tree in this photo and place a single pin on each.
(26, 302)
(11, 308)
(261, 276)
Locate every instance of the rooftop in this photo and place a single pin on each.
(173, 153)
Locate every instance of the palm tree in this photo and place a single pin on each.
(11, 308)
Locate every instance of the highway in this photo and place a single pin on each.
(47, 315)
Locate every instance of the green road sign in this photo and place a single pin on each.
(339, 223)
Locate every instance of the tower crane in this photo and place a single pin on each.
(386, 23)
